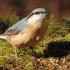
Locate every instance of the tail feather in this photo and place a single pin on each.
(3, 37)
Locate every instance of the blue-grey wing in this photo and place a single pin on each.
(16, 28)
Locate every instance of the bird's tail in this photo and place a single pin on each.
(3, 37)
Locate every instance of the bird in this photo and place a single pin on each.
(27, 31)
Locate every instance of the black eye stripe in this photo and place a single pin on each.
(39, 12)
(36, 13)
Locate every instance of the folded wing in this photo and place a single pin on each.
(16, 28)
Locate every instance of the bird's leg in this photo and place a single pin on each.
(33, 52)
(15, 51)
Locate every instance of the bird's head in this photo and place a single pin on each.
(37, 14)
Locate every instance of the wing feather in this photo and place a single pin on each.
(16, 28)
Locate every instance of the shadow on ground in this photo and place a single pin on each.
(57, 49)
(3, 68)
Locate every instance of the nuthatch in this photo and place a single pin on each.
(27, 31)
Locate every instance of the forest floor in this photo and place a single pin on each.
(52, 53)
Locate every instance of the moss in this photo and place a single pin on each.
(57, 31)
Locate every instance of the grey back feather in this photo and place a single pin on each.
(16, 28)
(39, 10)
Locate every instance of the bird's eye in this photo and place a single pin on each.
(37, 13)
(44, 12)
(40, 12)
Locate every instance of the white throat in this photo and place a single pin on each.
(36, 18)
